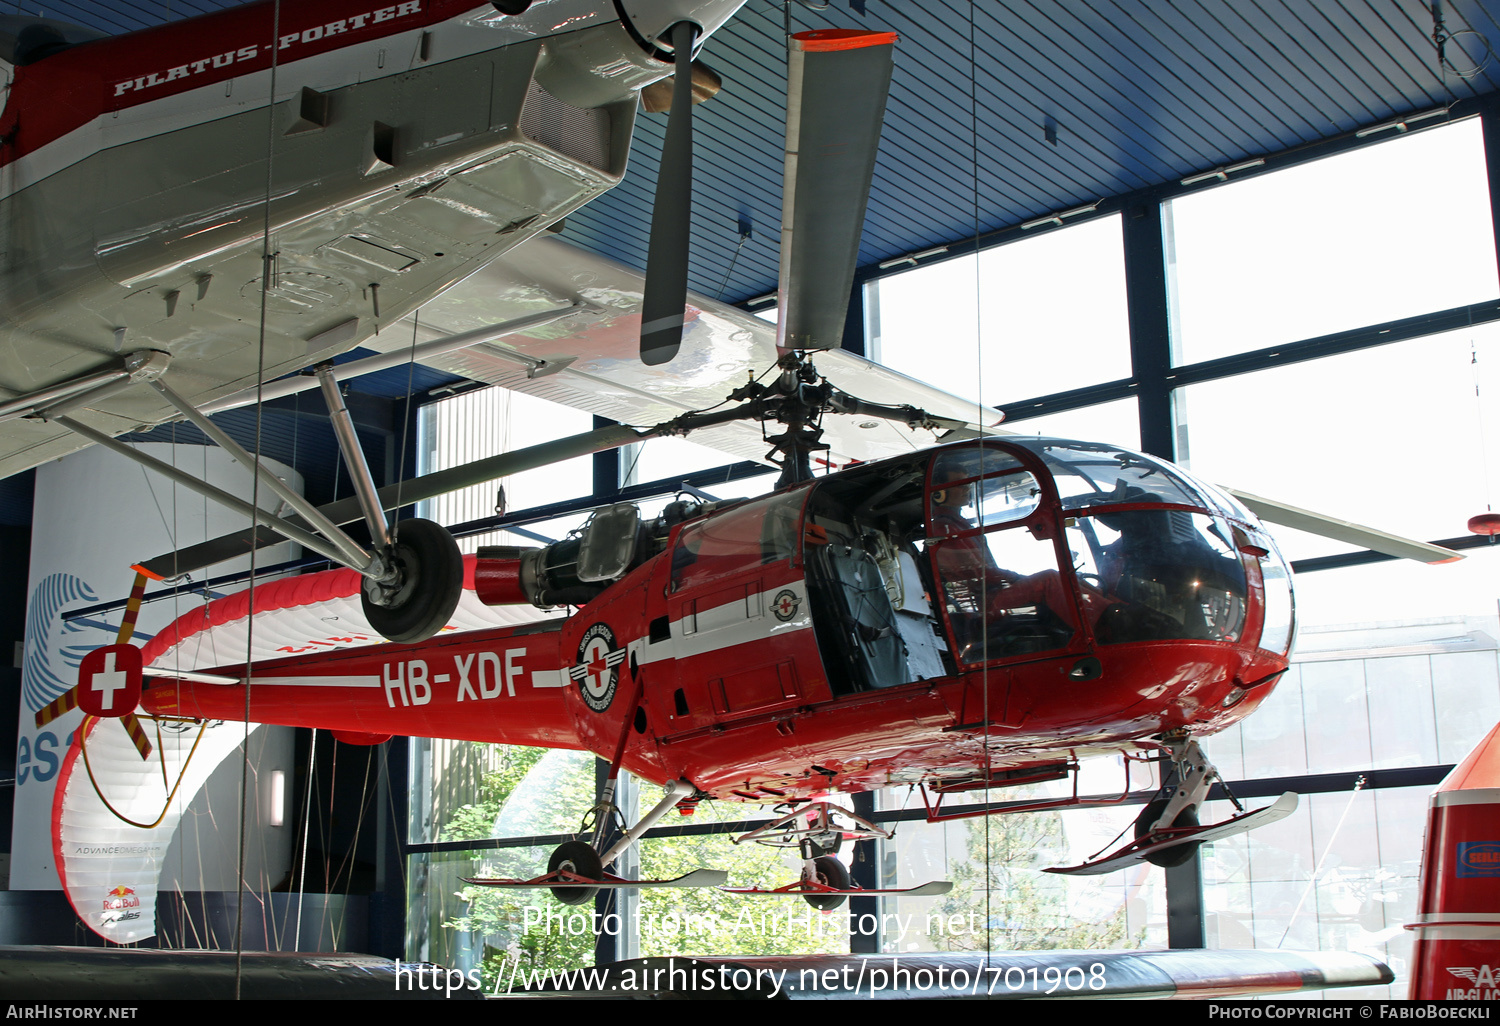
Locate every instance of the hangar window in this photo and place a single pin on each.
(1039, 315)
(1362, 467)
(1373, 235)
(488, 421)
(1119, 421)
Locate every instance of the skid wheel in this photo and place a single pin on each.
(830, 871)
(1167, 858)
(431, 581)
(576, 857)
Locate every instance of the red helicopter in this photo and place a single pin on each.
(979, 615)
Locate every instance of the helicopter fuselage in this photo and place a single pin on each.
(946, 618)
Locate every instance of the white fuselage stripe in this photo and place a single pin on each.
(549, 679)
(317, 682)
(734, 627)
(1467, 796)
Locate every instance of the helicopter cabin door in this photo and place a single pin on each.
(1004, 583)
(739, 617)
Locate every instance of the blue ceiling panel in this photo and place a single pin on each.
(1136, 95)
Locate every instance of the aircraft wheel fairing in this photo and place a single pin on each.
(1178, 855)
(431, 581)
(576, 857)
(830, 871)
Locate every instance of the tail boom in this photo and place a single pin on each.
(504, 685)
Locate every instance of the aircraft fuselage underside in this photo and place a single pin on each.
(395, 166)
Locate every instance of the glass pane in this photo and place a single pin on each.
(1339, 874)
(758, 532)
(1003, 594)
(1117, 423)
(1388, 231)
(1380, 695)
(662, 458)
(705, 921)
(503, 791)
(1006, 493)
(1089, 474)
(1276, 631)
(1002, 900)
(1389, 437)
(1153, 575)
(1062, 292)
(1397, 591)
(488, 421)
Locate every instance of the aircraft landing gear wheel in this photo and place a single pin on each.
(431, 580)
(1178, 855)
(576, 857)
(830, 871)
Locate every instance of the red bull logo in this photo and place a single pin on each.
(120, 897)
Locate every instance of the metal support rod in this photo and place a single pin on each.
(83, 400)
(401, 357)
(427, 486)
(354, 456)
(353, 554)
(606, 803)
(677, 790)
(142, 365)
(265, 517)
(22, 405)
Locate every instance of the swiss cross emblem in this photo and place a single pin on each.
(109, 681)
(784, 606)
(598, 668)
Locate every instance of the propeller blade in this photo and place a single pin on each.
(1275, 512)
(837, 82)
(665, 301)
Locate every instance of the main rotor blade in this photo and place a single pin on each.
(428, 486)
(1275, 512)
(665, 300)
(837, 82)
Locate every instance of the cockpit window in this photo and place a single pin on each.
(979, 487)
(995, 565)
(26, 40)
(1156, 575)
(1098, 475)
(752, 534)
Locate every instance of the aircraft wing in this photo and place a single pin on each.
(590, 360)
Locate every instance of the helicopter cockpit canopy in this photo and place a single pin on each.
(1016, 548)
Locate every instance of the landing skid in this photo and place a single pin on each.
(803, 888)
(563, 878)
(1137, 851)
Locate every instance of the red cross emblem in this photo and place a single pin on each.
(784, 606)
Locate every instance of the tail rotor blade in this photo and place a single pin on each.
(837, 80)
(667, 258)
